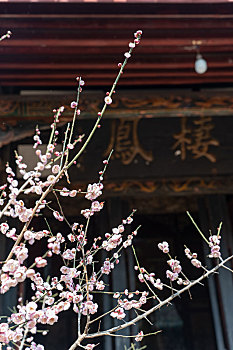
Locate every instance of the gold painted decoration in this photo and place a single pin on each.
(155, 101)
(191, 185)
(125, 142)
(8, 107)
(124, 186)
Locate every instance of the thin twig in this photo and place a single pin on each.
(194, 223)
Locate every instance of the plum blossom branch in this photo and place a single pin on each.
(161, 304)
(108, 99)
(67, 166)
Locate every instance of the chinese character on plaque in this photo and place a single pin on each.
(196, 138)
(125, 142)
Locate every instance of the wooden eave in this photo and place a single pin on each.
(52, 43)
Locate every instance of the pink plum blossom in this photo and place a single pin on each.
(118, 313)
(164, 247)
(94, 191)
(139, 336)
(108, 100)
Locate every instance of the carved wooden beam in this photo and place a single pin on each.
(146, 104)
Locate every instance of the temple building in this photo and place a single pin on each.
(170, 125)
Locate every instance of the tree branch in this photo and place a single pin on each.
(159, 305)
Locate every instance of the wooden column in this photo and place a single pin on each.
(213, 210)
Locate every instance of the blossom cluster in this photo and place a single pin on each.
(193, 257)
(214, 244)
